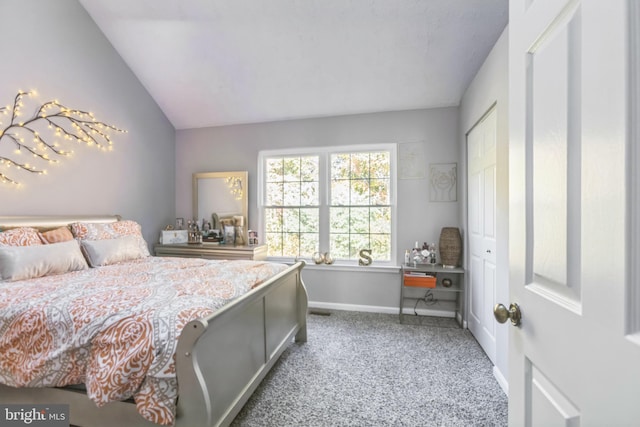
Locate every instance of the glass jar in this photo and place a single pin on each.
(328, 259)
(318, 258)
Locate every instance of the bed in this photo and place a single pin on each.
(219, 358)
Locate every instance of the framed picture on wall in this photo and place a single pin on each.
(411, 160)
(443, 182)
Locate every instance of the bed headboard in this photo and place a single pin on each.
(47, 221)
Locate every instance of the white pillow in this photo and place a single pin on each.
(27, 262)
(111, 251)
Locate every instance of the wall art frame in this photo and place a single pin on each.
(443, 182)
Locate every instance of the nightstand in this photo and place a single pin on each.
(414, 277)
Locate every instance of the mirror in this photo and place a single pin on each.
(223, 194)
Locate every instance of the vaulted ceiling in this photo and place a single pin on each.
(219, 62)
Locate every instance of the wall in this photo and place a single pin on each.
(489, 86)
(229, 148)
(55, 48)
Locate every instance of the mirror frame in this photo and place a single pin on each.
(244, 178)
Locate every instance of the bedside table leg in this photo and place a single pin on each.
(401, 299)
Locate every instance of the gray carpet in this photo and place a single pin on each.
(366, 369)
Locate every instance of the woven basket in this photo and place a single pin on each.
(450, 247)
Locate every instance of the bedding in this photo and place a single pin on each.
(111, 251)
(98, 231)
(21, 236)
(57, 235)
(115, 328)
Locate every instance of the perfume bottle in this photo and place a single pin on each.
(432, 253)
(416, 256)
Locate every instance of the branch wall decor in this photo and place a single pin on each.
(58, 123)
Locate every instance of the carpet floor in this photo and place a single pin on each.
(366, 369)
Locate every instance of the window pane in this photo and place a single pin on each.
(340, 193)
(359, 165)
(380, 192)
(381, 220)
(380, 166)
(358, 241)
(291, 193)
(360, 192)
(273, 220)
(309, 194)
(274, 242)
(339, 220)
(291, 221)
(309, 244)
(359, 221)
(274, 170)
(340, 166)
(274, 194)
(339, 246)
(290, 244)
(310, 220)
(292, 169)
(309, 168)
(381, 246)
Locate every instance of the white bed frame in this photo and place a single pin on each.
(221, 359)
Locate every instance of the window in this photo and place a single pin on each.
(332, 199)
(291, 211)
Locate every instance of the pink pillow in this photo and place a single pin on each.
(62, 234)
(112, 230)
(21, 236)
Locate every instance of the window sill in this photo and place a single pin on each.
(348, 267)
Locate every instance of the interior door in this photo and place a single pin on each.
(575, 358)
(481, 228)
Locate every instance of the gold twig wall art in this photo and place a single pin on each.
(44, 136)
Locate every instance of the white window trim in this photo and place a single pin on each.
(323, 152)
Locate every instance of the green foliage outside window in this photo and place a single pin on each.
(359, 210)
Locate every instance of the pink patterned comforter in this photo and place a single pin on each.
(115, 328)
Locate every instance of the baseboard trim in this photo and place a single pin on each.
(352, 307)
(460, 321)
(502, 381)
(382, 309)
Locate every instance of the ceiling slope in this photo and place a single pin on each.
(214, 62)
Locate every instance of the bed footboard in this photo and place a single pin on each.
(221, 359)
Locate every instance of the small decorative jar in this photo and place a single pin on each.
(328, 259)
(318, 258)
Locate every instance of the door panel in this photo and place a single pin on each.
(570, 361)
(555, 121)
(489, 205)
(489, 297)
(481, 176)
(547, 405)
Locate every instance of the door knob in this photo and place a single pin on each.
(501, 313)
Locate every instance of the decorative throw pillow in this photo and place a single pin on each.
(21, 236)
(111, 251)
(62, 234)
(112, 230)
(27, 262)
